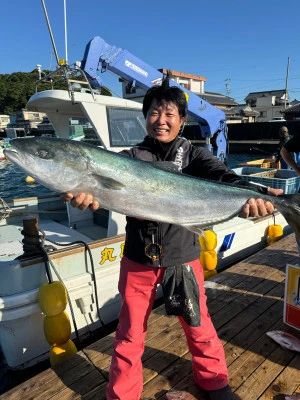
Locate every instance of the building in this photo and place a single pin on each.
(293, 112)
(242, 113)
(194, 83)
(28, 120)
(4, 121)
(269, 104)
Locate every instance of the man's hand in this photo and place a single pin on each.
(258, 207)
(81, 201)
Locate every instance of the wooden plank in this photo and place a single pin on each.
(249, 314)
(265, 374)
(238, 344)
(169, 377)
(80, 387)
(286, 382)
(244, 367)
(97, 393)
(51, 380)
(165, 357)
(239, 280)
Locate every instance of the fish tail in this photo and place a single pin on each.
(289, 206)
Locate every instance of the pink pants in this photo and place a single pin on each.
(137, 286)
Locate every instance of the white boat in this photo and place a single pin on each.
(113, 123)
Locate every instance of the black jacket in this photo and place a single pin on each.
(179, 245)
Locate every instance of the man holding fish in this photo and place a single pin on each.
(168, 254)
(289, 150)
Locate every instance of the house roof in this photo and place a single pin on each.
(242, 110)
(182, 74)
(294, 102)
(254, 95)
(292, 110)
(217, 98)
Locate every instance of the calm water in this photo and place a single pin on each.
(13, 185)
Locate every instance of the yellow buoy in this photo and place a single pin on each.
(52, 298)
(209, 241)
(29, 179)
(208, 259)
(62, 352)
(57, 328)
(209, 274)
(275, 232)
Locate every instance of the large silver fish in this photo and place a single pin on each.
(137, 188)
(285, 339)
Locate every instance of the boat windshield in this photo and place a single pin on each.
(126, 126)
(82, 130)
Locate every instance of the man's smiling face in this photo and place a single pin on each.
(163, 121)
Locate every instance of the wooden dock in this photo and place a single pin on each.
(245, 301)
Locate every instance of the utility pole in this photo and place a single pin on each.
(227, 85)
(286, 82)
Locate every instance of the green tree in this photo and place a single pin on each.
(17, 88)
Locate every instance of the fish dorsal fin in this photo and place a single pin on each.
(108, 183)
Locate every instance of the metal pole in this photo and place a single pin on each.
(66, 40)
(286, 81)
(50, 32)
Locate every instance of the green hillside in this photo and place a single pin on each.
(18, 87)
(15, 90)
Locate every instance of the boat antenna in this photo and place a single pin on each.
(65, 24)
(50, 32)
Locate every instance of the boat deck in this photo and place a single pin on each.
(245, 301)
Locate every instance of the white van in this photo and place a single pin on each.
(275, 119)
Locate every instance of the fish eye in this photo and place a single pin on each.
(44, 154)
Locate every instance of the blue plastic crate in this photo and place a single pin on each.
(284, 179)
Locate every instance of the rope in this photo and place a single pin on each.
(41, 247)
(88, 250)
(6, 211)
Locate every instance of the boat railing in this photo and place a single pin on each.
(71, 76)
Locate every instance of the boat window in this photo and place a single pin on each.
(82, 130)
(126, 126)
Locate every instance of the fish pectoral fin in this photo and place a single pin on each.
(108, 183)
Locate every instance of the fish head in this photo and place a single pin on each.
(55, 163)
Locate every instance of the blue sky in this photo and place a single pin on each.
(245, 44)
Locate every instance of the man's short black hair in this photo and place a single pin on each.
(167, 93)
